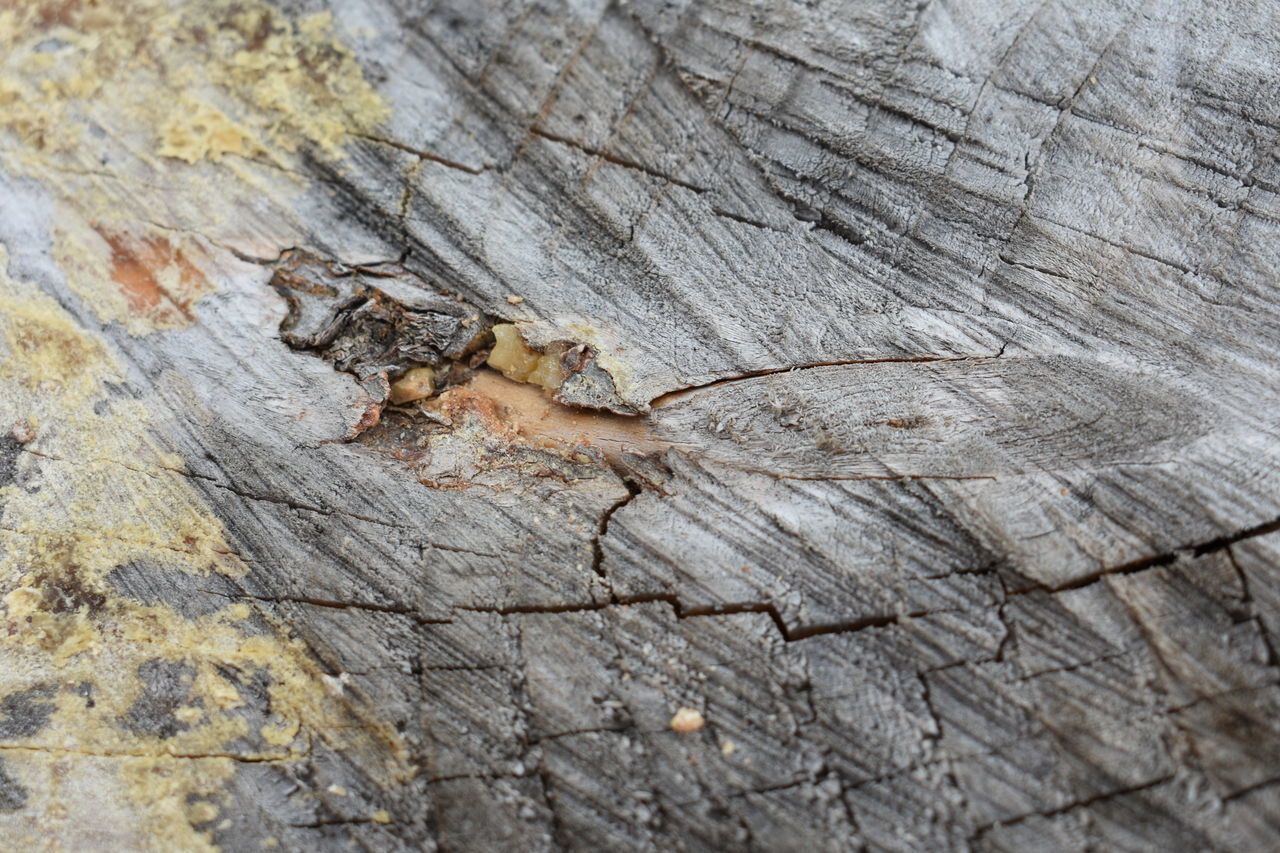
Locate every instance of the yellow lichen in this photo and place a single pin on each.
(161, 786)
(46, 350)
(203, 132)
(145, 118)
(202, 811)
(143, 121)
(100, 493)
(189, 714)
(247, 76)
(21, 603)
(281, 733)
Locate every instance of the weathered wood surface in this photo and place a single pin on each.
(952, 503)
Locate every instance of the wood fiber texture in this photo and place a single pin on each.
(952, 503)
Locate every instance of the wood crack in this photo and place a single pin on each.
(397, 610)
(597, 549)
(423, 154)
(1075, 804)
(682, 611)
(672, 396)
(617, 161)
(1193, 550)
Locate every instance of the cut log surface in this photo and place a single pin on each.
(908, 429)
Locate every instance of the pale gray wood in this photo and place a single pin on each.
(961, 318)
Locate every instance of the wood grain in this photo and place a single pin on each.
(951, 501)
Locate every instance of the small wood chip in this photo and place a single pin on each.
(23, 431)
(687, 720)
(515, 300)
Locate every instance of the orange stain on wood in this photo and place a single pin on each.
(514, 408)
(158, 280)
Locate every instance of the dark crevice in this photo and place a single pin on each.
(1011, 262)
(852, 626)
(558, 831)
(770, 789)
(1072, 667)
(849, 626)
(1003, 615)
(425, 155)
(670, 396)
(789, 634)
(597, 549)
(1193, 551)
(107, 461)
(926, 696)
(1249, 789)
(519, 609)
(341, 605)
(744, 220)
(598, 730)
(454, 549)
(616, 160)
(840, 230)
(1075, 804)
(1247, 599)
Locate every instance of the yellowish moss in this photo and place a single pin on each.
(247, 77)
(137, 116)
(201, 811)
(203, 132)
(161, 787)
(47, 352)
(107, 495)
(281, 733)
(130, 112)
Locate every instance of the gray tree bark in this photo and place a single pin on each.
(911, 417)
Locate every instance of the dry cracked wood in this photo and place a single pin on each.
(951, 502)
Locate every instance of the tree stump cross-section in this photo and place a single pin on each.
(684, 425)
